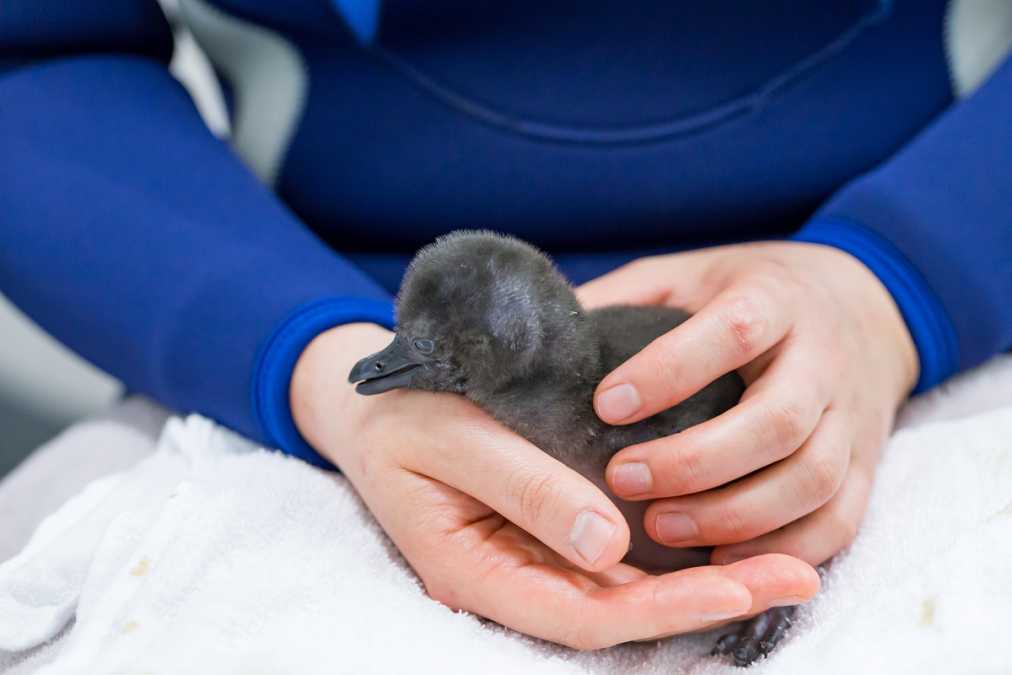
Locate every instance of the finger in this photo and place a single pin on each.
(683, 280)
(676, 603)
(776, 415)
(486, 565)
(737, 326)
(775, 580)
(764, 501)
(476, 455)
(636, 283)
(652, 606)
(617, 575)
(818, 536)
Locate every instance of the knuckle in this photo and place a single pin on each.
(733, 526)
(746, 324)
(787, 425)
(820, 478)
(685, 472)
(442, 592)
(844, 528)
(534, 495)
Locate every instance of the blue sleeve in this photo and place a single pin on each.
(138, 239)
(935, 224)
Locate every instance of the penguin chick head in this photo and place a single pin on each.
(476, 310)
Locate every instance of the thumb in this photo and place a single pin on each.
(636, 283)
(684, 280)
(536, 492)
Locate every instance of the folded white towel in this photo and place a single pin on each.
(213, 556)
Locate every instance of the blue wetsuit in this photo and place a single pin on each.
(196, 269)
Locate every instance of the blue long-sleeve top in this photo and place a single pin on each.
(196, 270)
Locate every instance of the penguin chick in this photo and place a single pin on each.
(491, 318)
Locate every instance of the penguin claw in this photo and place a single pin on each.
(725, 645)
(757, 637)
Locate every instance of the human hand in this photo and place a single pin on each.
(493, 525)
(827, 359)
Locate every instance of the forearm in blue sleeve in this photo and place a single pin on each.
(935, 223)
(134, 236)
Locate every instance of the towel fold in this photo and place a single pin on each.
(212, 555)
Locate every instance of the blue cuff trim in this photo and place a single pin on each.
(362, 17)
(930, 326)
(273, 372)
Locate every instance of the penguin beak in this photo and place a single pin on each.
(392, 368)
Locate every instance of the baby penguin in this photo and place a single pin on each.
(490, 317)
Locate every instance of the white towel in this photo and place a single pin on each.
(212, 556)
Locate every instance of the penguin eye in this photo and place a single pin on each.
(425, 346)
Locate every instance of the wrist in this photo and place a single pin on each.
(928, 325)
(877, 316)
(324, 406)
(883, 316)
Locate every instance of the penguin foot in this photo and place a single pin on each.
(757, 637)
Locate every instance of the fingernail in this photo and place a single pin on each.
(618, 402)
(590, 535)
(788, 601)
(674, 527)
(632, 478)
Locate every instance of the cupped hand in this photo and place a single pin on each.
(827, 360)
(493, 525)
